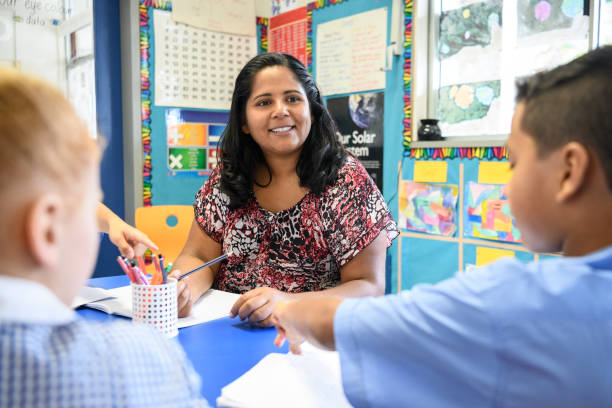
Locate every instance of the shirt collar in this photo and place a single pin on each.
(26, 301)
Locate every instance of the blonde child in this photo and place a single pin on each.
(507, 334)
(49, 193)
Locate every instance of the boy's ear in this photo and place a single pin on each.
(42, 230)
(575, 161)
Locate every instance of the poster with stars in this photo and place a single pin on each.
(193, 140)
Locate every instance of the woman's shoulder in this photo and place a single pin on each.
(351, 172)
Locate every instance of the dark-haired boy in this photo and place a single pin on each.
(507, 334)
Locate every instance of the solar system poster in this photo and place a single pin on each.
(359, 118)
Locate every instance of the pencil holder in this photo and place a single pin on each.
(156, 305)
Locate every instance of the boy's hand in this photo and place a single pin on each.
(184, 298)
(287, 328)
(256, 305)
(130, 241)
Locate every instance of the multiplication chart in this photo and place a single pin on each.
(195, 67)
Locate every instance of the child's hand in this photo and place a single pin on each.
(287, 328)
(184, 298)
(130, 241)
(256, 305)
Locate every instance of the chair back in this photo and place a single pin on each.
(167, 225)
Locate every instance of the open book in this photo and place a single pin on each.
(308, 380)
(213, 304)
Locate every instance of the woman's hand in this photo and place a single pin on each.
(256, 305)
(184, 299)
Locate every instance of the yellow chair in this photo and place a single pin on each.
(167, 225)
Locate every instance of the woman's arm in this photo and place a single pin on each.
(198, 249)
(364, 275)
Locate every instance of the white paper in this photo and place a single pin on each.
(196, 68)
(89, 294)
(308, 380)
(350, 53)
(214, 304)
(228, 16)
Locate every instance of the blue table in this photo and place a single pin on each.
(221, 350)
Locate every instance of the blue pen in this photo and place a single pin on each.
(163, 270)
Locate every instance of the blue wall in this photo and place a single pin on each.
(107, 49)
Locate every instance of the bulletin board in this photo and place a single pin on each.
(175, 169)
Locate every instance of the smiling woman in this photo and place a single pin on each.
(297, 215)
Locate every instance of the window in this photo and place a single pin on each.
(477, 49)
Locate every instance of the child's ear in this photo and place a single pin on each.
(575, 161)
(43, 228)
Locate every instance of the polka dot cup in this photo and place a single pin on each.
(156, 306)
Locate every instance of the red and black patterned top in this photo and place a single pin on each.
(302, 248)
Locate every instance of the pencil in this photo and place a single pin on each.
(204, 265)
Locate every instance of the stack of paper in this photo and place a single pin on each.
(214, 304)
(287, 380)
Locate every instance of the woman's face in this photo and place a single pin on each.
(277, 112)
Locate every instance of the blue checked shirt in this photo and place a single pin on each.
(51, 358)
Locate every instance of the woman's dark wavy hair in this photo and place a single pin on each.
(322, 155)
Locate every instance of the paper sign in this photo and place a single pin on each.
(485, 256)
(494, 172)
(227, 16)
(430, 171)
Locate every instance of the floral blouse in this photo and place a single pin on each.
(302, 248)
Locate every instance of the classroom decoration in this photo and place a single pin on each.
(262, 26)
(315, 5)
(359, 118)
(195, 67)
(430, 208)
(407, 75)
(145, 92)
(193, 138)
(227, 16)
(487, 213)
(288, 33)
(351, 53)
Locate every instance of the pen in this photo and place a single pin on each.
(204, 265)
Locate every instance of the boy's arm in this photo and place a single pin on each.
(129, 240)
(309, 320)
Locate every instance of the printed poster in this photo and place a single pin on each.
(430, 208)
(197, 68)
(287, 34)
(359, 118)
(487, 213)
(193, 139)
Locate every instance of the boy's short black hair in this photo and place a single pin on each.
(572, 102)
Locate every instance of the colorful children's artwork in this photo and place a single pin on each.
(430, 208)
(487, 213)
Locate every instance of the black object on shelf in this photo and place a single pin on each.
(429, 130)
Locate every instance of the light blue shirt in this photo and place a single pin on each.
(51, 358)
(505, 335)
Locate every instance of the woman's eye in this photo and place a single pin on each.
(262, 103)
(293, 99)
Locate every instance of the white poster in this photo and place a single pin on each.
(350, 53)
(227, 16)
(197, 68)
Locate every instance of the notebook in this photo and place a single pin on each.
(308, 380)
(213, 304)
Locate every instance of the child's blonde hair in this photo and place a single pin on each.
(41, 135)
